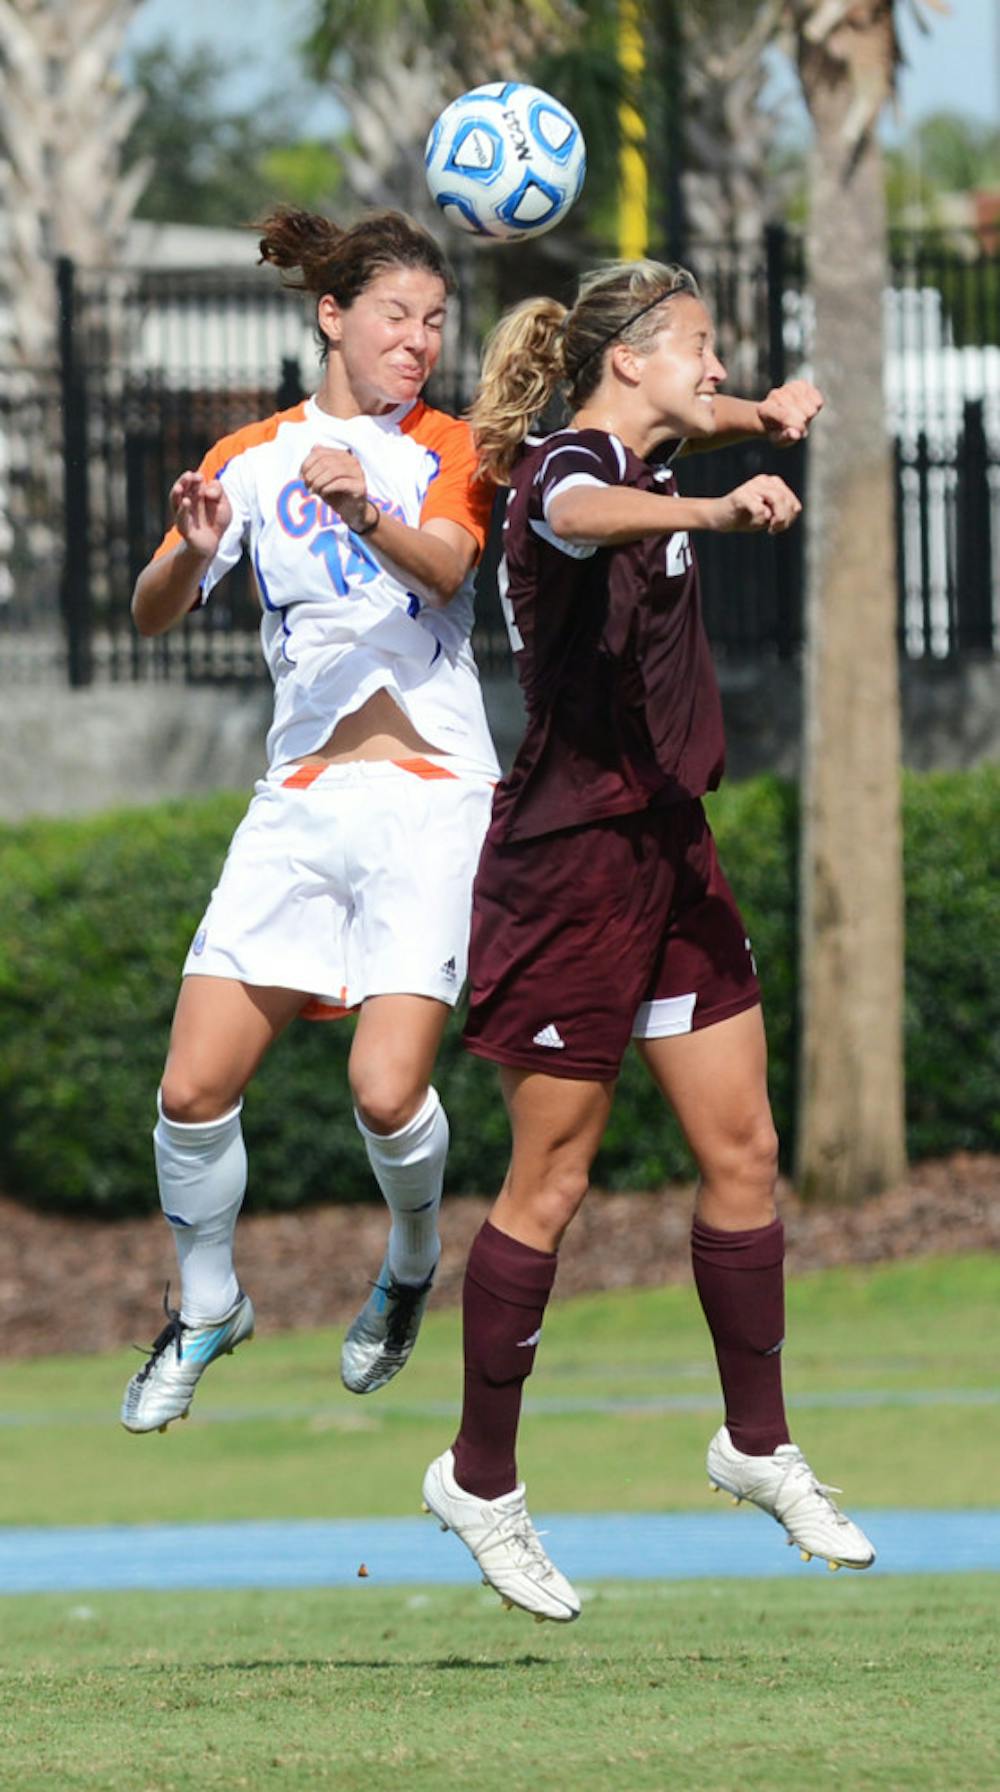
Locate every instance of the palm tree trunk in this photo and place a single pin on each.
(63, 119)
(850, 1134)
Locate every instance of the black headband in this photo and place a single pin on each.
(675, 292)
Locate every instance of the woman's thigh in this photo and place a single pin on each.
(557, 1124)
(715, 1079)
(221, 1030)
(392, 1057)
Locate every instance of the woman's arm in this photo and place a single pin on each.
(783, 417)
(433, 559)
(609, 515)
(167, 588)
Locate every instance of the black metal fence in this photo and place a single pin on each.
(154, 367)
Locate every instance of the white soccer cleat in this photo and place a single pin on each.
(784, 1485)
(380, 1340)
(164, 1387)
(504, 1542)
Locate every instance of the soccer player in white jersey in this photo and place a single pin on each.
(347, 885)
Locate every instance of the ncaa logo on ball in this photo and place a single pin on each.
(505, 160)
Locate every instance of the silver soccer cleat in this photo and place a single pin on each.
(500, 1535)
(784, 1485)
(163, 1388)
(380, 1340)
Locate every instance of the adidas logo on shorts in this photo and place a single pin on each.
(550, 1036)
(449, 970)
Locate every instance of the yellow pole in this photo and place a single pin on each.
(633, 184)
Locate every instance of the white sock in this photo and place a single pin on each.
(202, 1175)
(409, 1168)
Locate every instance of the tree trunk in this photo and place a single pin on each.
(63, 118)
(850, 1135)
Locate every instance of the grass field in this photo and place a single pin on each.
(854, 1683)
(296, 1445)
(719, 1686)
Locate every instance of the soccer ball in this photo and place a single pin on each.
(505, 160)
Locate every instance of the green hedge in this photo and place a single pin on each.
(98, 913)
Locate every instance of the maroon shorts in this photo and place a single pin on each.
(584, 939)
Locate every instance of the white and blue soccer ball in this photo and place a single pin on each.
(505, 160)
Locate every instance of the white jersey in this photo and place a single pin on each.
(336, 625)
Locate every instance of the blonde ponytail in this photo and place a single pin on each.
(522, 368)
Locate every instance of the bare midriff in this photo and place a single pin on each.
(378, 730)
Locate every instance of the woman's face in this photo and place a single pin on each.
(679, 375)
(388, 341)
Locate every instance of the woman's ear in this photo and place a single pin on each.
(329, 317)
(625, 363)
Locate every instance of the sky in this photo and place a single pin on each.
(956, 67)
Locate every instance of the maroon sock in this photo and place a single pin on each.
(503, 1302)
(741, 1284)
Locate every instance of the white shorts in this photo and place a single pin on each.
(348, 881)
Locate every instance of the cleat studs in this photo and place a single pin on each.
(485, 1582)
(736, 1499)
(444, 1527)
(424, 1507)
(540, 1618)
(508, 1604)
(833, 1566)
(806, 1555)
(162, 1428)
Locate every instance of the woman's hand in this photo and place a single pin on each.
(202, 512)
(787, 412)
(337, 476)
(430, 559)
(167, 587)
(764, 503)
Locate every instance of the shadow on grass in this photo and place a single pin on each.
(389, 1664)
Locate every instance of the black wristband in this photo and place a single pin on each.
(369, 528)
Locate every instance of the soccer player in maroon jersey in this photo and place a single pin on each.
(600, 910)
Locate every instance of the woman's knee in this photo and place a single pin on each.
(192, 1100)
(548, 1202)
(745, 1156)
(761, 1153)
(386, 1100)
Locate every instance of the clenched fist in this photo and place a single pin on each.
(337, 476)
(764, 503)
(787, 412)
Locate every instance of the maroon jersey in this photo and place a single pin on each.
(622, 702)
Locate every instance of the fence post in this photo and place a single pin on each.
(75, 584)
(973, 560)
(673, 49)
(775, 247)
(789, 567)
(290, 391)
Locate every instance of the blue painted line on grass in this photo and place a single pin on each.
(552, 1406)
(414, 1552)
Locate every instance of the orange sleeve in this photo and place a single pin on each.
(455, 493)
(219, 457)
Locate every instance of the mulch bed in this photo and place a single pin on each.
(85, 1285)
